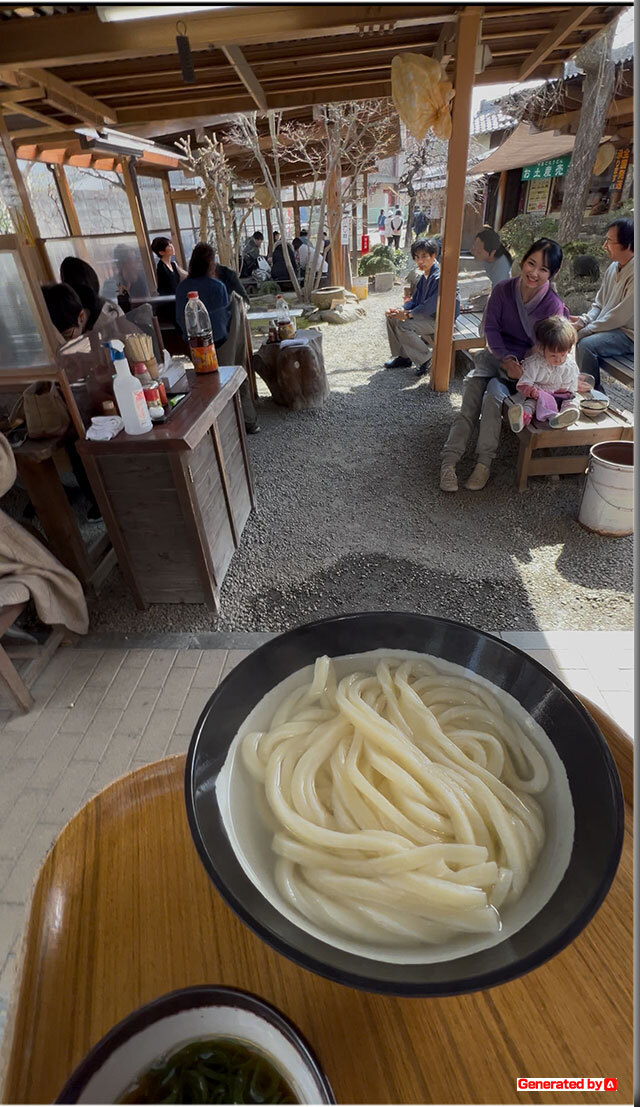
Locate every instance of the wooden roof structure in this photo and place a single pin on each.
(61, 65)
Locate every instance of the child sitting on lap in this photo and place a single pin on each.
(549, 383)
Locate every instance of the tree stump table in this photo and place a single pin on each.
(294, 374)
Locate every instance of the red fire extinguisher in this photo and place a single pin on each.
(364, 244)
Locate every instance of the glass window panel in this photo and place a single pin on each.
(153, 202)
(45, 198)
(188, 215)
(21, 345)
(178, 179)
(115, 258)
(100, 200)
(190, 237)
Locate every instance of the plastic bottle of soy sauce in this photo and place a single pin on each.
(198, 327)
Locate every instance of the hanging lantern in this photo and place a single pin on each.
(604, 157)
(263, 196)
(421, 95)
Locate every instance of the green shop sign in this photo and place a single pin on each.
(554, 167)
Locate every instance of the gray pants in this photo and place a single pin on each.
(482, 399)
(405, 337)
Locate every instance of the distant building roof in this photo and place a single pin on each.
(491, 118)
(620, 54)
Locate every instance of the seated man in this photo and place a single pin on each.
(607, 329)
(251, 253)
(407, 326)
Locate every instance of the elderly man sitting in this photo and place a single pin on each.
(607, 329)
(407, 326)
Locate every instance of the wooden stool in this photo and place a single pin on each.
(608, 427)
(17, 683)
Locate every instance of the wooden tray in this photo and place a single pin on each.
(124, 912)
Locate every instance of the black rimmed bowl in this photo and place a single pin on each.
(590, 785)
(191, 1014)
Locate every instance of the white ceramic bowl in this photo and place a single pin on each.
(172, 1021)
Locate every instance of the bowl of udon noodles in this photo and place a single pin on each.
(404, 804)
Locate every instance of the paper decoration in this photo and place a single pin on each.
(421, 95)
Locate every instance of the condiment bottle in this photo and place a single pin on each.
(128, 393)
(198, 327)
(152, 396)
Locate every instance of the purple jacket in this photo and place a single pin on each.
(505, 334)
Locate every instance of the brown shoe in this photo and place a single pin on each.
(478, 478)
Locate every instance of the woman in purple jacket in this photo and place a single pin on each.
(514, 308)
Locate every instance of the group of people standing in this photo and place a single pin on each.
(535, 350)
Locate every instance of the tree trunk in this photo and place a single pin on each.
(597, 89)
(412, 207)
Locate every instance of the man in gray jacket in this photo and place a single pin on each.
(607, 329)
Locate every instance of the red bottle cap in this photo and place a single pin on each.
(139, 368)
(192, 295)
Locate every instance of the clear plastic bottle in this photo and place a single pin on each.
(128, 393)
(198, 327)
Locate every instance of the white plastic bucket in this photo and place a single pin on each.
(607, 498)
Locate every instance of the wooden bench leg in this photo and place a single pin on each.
(524, 457)
(14, 682)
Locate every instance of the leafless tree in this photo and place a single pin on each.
(209, 162)
(329, 154)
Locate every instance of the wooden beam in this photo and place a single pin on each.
(569, 23)
(20, 95)
(234, 55)
(80, 36)
(67, 201)
(30, 136)
(65, 95)
(139, 221)
(467, 40)
(26, 222)
(619, 109)
(45, 121)
(179, 115)
(173, 221)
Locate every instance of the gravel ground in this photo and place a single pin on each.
(350, 517)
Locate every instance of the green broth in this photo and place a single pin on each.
(214, 1071)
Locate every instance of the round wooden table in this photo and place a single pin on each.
(123, 912)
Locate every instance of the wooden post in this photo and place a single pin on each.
(334, 214)
(139, 221)
(365, 203)
(267, 215)
(296, 212)
(354, 238)
(67, 201)
(24, 218)
(502, 188)
(466, 41)
(173, 222)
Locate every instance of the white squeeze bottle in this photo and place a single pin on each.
(128, 393)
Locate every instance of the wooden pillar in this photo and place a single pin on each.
(466, 41)
(296, 212)
(173, 222)
(139, 221)
(365, 203)
(267, 215)
(354, 238)
(334, 214)
(502, 188)
(26, 225)
(67, 201)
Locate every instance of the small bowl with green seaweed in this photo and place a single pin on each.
(201, 1045)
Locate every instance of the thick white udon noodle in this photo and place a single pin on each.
(403, 802)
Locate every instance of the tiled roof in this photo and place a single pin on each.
(487, 121)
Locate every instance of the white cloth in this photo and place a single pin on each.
(612, 308)
(396, 222)
(387, 224)
(536, 371)
(104, 427)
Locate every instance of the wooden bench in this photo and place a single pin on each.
(608, 427)
(466, 335)
(621, 368)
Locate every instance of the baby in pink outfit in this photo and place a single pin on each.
(548, 386)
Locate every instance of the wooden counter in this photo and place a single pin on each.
(175, 500)
(123, 911)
